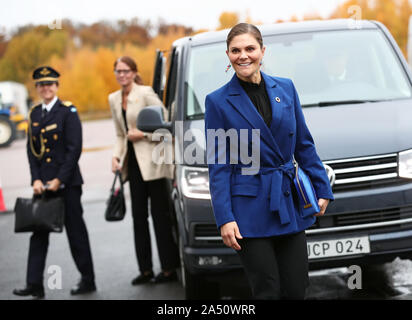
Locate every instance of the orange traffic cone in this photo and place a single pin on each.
(2, 205)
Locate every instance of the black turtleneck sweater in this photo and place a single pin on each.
(259, 97)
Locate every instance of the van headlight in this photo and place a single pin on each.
(195, 183)
(405, 164)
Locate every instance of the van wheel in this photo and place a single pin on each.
(7, 131)
(195, 286)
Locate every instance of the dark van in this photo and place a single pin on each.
(355, 90)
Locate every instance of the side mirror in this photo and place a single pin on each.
(151, 118)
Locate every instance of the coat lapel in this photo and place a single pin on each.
(117, 100)
(132, 98)
(274, 93)
(134, 93)
(238, 98)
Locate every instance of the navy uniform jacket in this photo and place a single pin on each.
(54, 144)
(262, 204)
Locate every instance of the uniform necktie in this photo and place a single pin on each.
(43, 112)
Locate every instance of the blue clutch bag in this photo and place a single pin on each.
(308, 200)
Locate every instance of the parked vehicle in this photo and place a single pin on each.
(355, 90)
(15, 99)
(7, 128)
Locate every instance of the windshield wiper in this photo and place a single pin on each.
(332, 103)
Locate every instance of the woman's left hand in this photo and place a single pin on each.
(53, 185)
(134, 135)
(323, 203)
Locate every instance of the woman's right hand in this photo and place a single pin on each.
(116, 164)
(229, 232)
(38, 187)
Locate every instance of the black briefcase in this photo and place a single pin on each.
(116, 205)
(40, 213)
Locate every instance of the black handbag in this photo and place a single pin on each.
(116, 205)
(40, 213)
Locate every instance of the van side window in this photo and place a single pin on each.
(172, 85)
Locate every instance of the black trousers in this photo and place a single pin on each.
(78, 240)
(276, 267)
(140, 192)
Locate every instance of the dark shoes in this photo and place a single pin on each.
(83, 287)
(30, 290)
(142, 278)
(162, 277)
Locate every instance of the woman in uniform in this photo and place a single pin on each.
(54, 147)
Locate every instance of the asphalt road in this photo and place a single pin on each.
(112, 243)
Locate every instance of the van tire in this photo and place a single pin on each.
(7, 131)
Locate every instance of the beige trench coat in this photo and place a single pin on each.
(138, 98)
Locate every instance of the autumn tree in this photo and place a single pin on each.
(98, 34)
(166, 28)
(134, 32)
(30, 49)
(87, 75)
(228, 20)
(3, 44)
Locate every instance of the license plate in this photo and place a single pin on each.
(338, 247)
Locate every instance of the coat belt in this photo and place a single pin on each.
(276, 183)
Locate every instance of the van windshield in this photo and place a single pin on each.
(326, 67)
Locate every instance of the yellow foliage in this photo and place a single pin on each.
(80, 80)
(228, 20)
(26, 52)
(87, 72)
(87, 75)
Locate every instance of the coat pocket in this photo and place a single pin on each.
(244, 190)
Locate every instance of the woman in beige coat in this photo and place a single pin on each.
(147, 179)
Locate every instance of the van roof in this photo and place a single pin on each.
(281, 28)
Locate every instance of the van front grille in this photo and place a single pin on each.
(366, 172)
(373, 216)
(363, 217)
(207, 232)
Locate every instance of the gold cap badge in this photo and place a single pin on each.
(44, 72)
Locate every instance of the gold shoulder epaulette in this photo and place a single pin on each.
(37, 105)
(67, 103)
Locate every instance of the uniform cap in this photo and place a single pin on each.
(45, 75)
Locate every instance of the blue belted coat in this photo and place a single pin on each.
(262, 204)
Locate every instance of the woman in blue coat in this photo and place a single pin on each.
(257, 212)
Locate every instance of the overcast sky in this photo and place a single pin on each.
(193, 13)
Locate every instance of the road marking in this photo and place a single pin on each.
(94, 149)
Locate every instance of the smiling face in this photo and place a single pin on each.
(245, 55)
(47, 91)
(124, 75)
